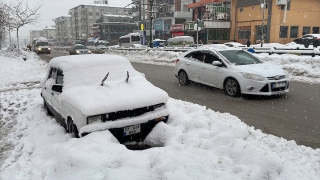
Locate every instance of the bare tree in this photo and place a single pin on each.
(21, 14)
(4, 14)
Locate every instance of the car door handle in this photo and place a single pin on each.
(52, 93)
(203, 67)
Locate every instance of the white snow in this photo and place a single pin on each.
(196, 142)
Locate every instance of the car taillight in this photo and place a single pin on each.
(176, 61)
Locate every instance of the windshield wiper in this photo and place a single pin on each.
(104, 79)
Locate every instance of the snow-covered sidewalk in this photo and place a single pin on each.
(196, 143)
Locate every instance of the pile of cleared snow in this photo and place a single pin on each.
(196, 143)
(17, 73)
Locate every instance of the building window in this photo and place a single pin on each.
(97, 13)
(283, 32)
(315, 30)
(241, 9)
(306, 30)
(294, 31)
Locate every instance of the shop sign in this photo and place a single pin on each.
(176, 27)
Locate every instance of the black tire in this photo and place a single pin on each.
(45, 106)
(183, 78)
(232, 88)
(72, 129)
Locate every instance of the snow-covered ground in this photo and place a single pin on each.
(196, 143)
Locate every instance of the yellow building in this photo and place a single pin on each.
(281, 20)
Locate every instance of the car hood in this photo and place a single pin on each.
(266, 70)
(114, 96)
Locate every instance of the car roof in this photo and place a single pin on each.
(92, 68)
(216, 47)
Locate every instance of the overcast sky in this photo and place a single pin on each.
(52, 9)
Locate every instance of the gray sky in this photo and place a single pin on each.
(52, 9)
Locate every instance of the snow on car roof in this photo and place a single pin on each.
(83, 76)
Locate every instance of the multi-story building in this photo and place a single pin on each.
(35, 34)
(63, 30)
(84, 16)
(111, 27)
(50, 34)
(280, 21)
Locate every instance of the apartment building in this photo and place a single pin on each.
(281, 21)
(84, 16)
(63, 30)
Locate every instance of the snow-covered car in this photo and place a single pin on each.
(98, 92)
(235, 44)
(231, 69)
(79, 49)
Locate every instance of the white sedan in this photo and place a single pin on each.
(233, 70)
(100, 92)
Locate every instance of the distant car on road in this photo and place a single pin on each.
(231, 69)
(100, 92)
(79, 49)
(235, 44)
(308, 39)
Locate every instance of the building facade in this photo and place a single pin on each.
(63, 30)
(84, 16)
(281, 21)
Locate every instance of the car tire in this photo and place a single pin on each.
(45, 106)
(232, 88)
(72, 129)
(183, 78)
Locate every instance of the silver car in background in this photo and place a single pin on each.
(234, 70)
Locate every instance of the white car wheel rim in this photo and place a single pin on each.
(231, 87)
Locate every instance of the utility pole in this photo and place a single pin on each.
(151, 16)
(197, 33)
(264, 7)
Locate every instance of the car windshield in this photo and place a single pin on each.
(240, 57)
(80, 47)
(42, 44)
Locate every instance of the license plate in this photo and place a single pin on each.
(278, 84)
(131, 130)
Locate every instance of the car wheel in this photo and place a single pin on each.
(45, 106)
(183, 78)
(72, 129)
(231, 87)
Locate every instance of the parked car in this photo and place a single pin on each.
(79, 49)
(308, 39)
(235, 44)
(98, 92)
(231, 69)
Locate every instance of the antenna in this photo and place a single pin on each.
(127, 76)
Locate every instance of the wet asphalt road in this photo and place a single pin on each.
(295, 116)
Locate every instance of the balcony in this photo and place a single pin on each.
(165, 2)
(217, 24)
(166, 14)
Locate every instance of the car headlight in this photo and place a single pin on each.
(49, 48)
(92, 119)
(252, 76)
(39, 49)
(78, 52)
(89, 51)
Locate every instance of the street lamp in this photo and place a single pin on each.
(151, 4)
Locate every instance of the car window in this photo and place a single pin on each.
(80, 47)
(195, 56)
(53, 73)
(59, 77)
(209, 58)
(240, 57)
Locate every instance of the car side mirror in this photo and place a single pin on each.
(57, 88)
(216, 63)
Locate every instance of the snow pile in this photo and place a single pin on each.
(17, 73)
(196, 143)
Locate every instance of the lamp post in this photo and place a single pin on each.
(151, 16)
